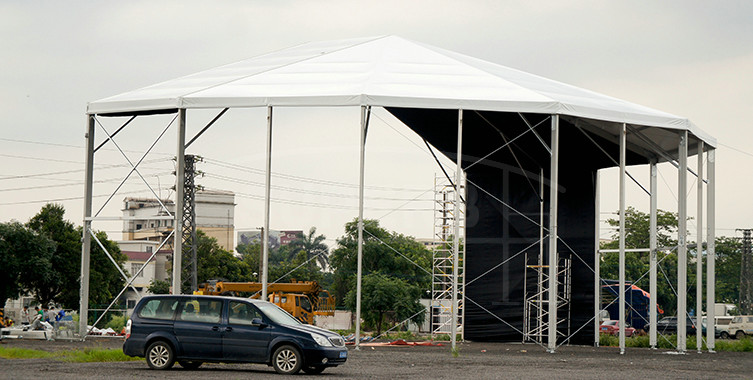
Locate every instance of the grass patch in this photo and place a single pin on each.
(669, 342)
(87, 355)
(23, 353)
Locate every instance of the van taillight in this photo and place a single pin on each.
(128, 329)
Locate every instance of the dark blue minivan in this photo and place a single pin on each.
(196, 329)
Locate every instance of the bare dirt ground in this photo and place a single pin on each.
(476, 361)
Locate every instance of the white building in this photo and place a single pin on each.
(215, 215)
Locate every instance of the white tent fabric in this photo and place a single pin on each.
(385, 71)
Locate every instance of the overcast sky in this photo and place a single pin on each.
(689, 58)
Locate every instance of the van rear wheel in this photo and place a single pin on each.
(724, 335)
(160, 355)
(287, 360)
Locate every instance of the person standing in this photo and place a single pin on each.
(25, 320)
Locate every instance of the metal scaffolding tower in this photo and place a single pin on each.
(189, 216)
(536, 306)
(442, 259)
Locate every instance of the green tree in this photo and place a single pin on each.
(213, 262)
(728, 261)
(26, 260)
(387, 299)
(105, 281)
(313, 246)
(637, 235)
(159, 287)
(62, 284)
(384, 252)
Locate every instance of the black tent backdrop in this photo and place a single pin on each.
(495, 232)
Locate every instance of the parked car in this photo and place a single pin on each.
(741, 326)
(721, 325)
(612, 327)
(668, 325)
(195, 329)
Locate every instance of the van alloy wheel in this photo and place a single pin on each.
(159, 355)
(287, 360)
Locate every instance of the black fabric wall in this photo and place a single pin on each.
(498, 232)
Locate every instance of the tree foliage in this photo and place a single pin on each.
(213, 262)
(637, 264)
(388, 253)
(25, 256)
(312, 245)
(385, 297)
(62, 284)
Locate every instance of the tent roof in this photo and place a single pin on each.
(384, 71)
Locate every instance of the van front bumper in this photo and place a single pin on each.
(325, 356)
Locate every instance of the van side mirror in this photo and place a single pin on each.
(258, 322)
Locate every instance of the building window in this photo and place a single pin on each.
(135, 268)
(149, 249)
(130, 304)
(138, 226)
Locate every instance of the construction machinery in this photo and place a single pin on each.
(302, 299)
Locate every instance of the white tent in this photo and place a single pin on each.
(391, 71)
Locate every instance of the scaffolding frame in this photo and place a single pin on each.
(536, 304)
(445, 198)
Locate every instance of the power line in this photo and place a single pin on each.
(73, 184)
(70, 198)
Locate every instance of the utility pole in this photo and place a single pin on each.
(746, 271)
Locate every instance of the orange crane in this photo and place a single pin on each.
(302, 299)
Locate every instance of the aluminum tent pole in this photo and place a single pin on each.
(597, 260)
(456, 233)
(699, 256)
(180, 173)
(623, 153)
(682, 248)
(360, 226)
(86, 238)
(267, 190)
(553, 183)
(711, 249)
(652, 256)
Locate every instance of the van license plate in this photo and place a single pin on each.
(343, 354)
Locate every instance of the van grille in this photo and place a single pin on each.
(338, 341)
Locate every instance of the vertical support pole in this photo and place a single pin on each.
(652, 245)
(711, 249)
(553, 260)
(699, 257)
(360, 226)
(597, 260)
(456, 233)
(86, 238)
(622, 294)
(682, 247)
(180, 174)
(267, 191)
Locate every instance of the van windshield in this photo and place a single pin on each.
(277, 315)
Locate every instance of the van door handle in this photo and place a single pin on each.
(215, 328)
(228, 329)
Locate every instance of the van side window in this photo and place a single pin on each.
(242, 313)
(159, 308)
(200, 310)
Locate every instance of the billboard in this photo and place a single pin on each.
(276, 238)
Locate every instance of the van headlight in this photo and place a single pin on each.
(320, 340)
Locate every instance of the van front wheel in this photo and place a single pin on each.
(287, 360)
(160, 355)
(739, 334)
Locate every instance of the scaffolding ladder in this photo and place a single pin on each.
(536, 305)
(443, 258)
